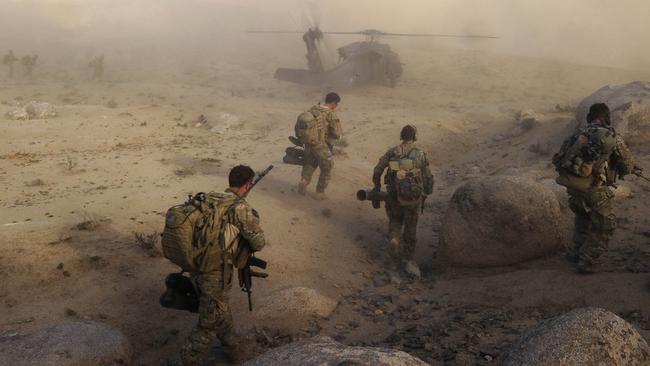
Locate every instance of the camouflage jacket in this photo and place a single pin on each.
(400, 151)
(332, 130)
(243, 222)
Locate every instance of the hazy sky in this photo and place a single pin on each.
(586, 31)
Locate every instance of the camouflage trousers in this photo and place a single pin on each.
(318, 156)
(594, 223)
(215, 318)
(402, 228)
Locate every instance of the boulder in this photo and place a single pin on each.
(630, 106)
(296, 302)
(40, 110)
(78, 343)
(325, 351)
(32, 110)
(498, 220)
(585, 337)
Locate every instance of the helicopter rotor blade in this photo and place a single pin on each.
(381, 34)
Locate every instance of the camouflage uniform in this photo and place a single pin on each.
(594, 220)
(319, 155)
(402, 217)
(215, 318)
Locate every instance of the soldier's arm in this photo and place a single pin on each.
(379, 169)
(248, 223)
(334, 125)
(623, 158)
(427, 176)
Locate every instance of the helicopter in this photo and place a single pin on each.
(360, 63)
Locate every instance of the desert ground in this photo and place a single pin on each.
(78, 188)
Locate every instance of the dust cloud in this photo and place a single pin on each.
(596, 32)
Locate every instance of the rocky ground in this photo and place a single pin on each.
(83, 195)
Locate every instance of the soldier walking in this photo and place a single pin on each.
(10, 60)
(97, 64)
(29, 63)
(408, 181)
(241, 226)
(318, 130)
(589, 162)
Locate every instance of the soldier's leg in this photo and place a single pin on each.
(395, 222)
(411, 216)
(582, 225)
(308, 169)
(603, 224)
(215, 320)
(326, 164)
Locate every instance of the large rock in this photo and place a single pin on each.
(585, 337)
(78, 343)
(630, 106)
(296, 302)
(32, 110)
(325, 351)
(495, 221)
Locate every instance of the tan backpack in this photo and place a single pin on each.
(309, 128)
(194, 230)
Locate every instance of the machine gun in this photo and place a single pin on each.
(246, 275)
(372, 195)
(245, 259)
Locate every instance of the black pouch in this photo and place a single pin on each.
(180, 294)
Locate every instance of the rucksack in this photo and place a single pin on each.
(309, 128)
(406, 178)
(194, 230)
(583, 153)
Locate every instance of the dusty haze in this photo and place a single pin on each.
(596, 32)
(187, 94)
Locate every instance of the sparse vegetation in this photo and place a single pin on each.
(89, 222)
(148, 242)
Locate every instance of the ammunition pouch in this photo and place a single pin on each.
(581, 184)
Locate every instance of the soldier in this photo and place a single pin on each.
(215, 318)
(588, 163)
(9, 60)
(97, 64)
(29, 63)
(318, 133)
(409, 181)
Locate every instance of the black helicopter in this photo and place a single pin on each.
(360, 63)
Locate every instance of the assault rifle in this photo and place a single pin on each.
(245, 259)
(246, 275)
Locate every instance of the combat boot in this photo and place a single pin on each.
(585, 266)
(302, 187)
(572, 257)
(319, 196)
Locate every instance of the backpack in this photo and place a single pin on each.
(194, 229)
(309, 128)
(406, 178)
(583, 154)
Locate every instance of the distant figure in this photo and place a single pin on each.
(97, 64)
(29, 63)
(314, 62)
(9, 60)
